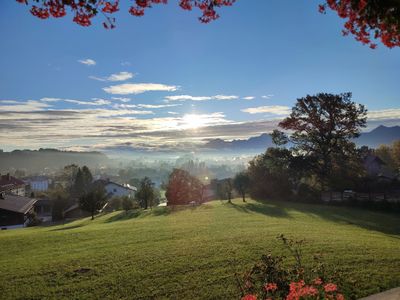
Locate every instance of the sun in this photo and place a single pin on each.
(193, 121)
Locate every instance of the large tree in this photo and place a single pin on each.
(322, 127)
(366, 20)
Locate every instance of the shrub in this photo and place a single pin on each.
(275, 278)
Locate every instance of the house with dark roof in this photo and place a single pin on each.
(11, 185)
(15, 210)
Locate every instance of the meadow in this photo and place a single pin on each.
(193, 252)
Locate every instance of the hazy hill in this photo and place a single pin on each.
(37, 160)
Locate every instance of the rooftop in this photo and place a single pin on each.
(16, 203)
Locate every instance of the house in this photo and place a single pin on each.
(38, 183)
(376, 167)
(116, 190)
(12, 185)
(15, 210)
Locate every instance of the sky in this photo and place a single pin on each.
(166, 82)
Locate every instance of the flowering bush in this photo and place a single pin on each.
(271, 278)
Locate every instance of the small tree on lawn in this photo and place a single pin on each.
(127, 204)
(93, 201)
(146, 194)
(227, 188)
(241, 183)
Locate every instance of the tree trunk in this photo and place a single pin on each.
(244, 197)
(92, 215)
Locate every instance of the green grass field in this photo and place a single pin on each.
(191, 253)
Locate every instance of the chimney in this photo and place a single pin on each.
(8, 177)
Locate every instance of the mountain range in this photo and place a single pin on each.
(378, 136)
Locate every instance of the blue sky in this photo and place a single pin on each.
(281, 50)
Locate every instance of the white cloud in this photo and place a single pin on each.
(157, 105)
(173, 113)
(96, 101)
(187, 97)
(30, 105)
(87, 61)
(267, 96)
(138, 88)
(121, 76)
(199, 98)
(122, 99)
(248, 98)
(273, 109)
(393, 113)
(225, 97)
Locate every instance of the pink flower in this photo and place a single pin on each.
(249, 297)
(330, 287)
(270, 287)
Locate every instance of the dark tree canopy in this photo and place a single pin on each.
(323, 126)
(93, 201)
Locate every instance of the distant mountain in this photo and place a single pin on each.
(37, 160)
(378, 136)
(254, 143)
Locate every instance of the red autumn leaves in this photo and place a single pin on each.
(366, 20)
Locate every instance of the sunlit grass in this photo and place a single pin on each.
(191, 253)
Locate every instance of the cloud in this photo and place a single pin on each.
(173, 113)
(121, 76)
(28, 106)
(225, 97)
(267, 96)
(384, 114)
(87, 61)
(138, 88)
(199, 98)
(157, 105)
(95, 102)
(273, 109)
(248, 98)
(122, 99)
(187, 97)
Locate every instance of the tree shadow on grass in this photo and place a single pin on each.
(388, 223)
(270, 210)
(67, 227)
(139, 213)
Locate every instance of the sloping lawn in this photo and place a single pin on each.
(191, 253)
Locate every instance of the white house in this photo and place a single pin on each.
(117, 190)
